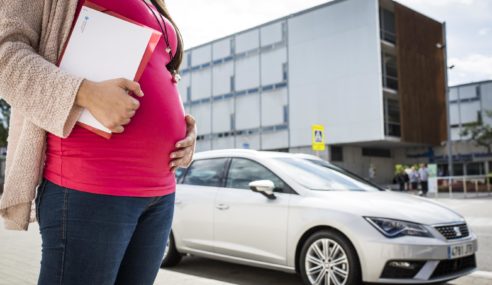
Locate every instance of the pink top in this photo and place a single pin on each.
(135, 162)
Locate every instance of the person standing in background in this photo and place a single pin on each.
(400, 178)
(408, 171)
(414, 178)
(372, 172)
(424, 177)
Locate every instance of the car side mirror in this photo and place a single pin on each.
(264, 187)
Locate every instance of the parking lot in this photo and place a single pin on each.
(20, 257)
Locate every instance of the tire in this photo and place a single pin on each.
(322, 272)
(171, 255)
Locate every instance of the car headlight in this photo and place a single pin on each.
(395, 228)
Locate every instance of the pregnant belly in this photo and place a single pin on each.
(143, 148)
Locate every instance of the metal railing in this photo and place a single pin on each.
(468, 186)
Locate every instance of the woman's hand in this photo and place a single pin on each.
(183, 156)
(109, 101)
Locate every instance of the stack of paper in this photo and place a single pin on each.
(105, 46)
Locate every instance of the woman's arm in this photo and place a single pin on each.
(38, 89)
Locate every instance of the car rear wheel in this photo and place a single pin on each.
(171, 255)
(328, 258)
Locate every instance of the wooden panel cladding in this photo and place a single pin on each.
(420, 77)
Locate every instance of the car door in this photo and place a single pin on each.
(248, 224)
(195, 198)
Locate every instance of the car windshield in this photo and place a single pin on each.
(320, 175)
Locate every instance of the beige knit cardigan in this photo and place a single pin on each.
(41, 96)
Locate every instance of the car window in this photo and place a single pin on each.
(243, 171)
(179, 174)
(323, 176)
(206, 172)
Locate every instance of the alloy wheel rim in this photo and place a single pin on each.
(326, 263)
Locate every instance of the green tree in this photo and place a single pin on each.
(479, 132)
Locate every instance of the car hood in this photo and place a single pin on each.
(386, 204)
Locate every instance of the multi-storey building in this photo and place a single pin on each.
(370, 71)
(469, 105)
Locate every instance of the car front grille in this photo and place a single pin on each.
(454, 231)
(454, 266)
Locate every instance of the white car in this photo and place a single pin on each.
(298, 213)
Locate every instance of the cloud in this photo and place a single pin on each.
(474, 67)
(484, 31)
(202, 21)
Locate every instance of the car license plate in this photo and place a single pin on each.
(460, 250)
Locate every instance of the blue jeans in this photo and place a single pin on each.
(101, 239)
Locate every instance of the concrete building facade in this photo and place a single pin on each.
(367, 70)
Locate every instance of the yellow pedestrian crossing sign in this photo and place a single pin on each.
(318, 137)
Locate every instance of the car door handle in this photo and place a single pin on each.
(222, 207)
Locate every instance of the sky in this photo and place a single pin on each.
(468, 25)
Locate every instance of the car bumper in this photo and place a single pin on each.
(415, 260)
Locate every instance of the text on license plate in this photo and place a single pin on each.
(460, 250)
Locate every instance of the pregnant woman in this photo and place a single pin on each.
(104, 206)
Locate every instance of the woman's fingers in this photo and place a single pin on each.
(173, 169)
(182, 162)
(118, 129)
(126, 122)
(132, 86)
(179, 153)
(187, 142)
(181, 158)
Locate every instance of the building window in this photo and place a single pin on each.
(232, 83)
(284, 71)
(188, 94)
(376, 152)
(189, 59)
(387, 25)
(286, 114)
(478, 91)
(392, 118)
(390, 71)
(475, 168)
(336, 153)
(232, 121)
(457, 169)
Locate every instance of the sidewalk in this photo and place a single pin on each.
(446, 195)
(20, 254)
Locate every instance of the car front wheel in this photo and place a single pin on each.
(327, 257)
(171, 255)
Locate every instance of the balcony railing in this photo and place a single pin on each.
(388, 36)
(390, 82)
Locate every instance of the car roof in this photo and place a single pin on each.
(249, 153)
